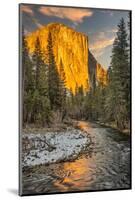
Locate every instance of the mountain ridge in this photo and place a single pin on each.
(71, 48)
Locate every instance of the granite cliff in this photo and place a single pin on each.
(70, 48)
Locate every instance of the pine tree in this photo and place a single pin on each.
(79, 101)
(63, 92)
(41, 112)
(53, 77)
(129, 65)
(116, 103)
(27, 82)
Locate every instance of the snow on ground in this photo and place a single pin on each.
(52, 147)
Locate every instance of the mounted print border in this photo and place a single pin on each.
(74, 99)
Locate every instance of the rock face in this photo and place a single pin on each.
(71, 49)
(97, 73)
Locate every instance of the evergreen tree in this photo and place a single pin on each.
(41, 95)
(63, 92)
(27, 82)
(79, 102)
(129, 66)
(116, 103)
(53, 77)
(62, 85)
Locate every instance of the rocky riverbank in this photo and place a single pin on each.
(52, 147)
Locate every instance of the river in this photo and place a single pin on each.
(105, 165)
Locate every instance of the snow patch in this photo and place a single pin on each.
(52, 147)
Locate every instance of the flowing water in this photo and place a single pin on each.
(104, 165)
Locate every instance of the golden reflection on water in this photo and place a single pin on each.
(85, 126)
(78, 175)
(94, 170)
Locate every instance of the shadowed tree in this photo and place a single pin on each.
(53, 76)
(27, 81)
(118, 88)
(41, 111)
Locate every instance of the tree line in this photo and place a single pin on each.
(111, 103)
(43, 88)
(45, 97)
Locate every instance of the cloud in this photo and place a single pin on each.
(37, 23)
(102, 44)
(102, 40)
(27, 9)
(114, 30)
(26, 32)
(109, 12)
(72, 14)
(101, 49)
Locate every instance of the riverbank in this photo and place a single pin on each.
(113, 126)
(104, 165)
(44, 146)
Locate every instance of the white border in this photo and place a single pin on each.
(9, 97)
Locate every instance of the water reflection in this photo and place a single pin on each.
(105, 166)
(78, 174)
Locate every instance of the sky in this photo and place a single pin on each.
(99, 25)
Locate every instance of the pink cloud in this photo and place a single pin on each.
(27, 9)
(75, 15)
(97, 48)
(102, 44)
